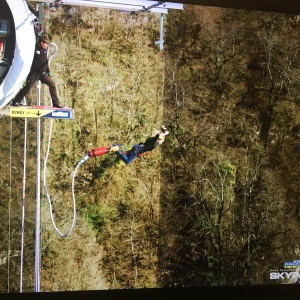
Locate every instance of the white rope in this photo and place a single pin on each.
(45, 177)
(74, 208)
(48, 196)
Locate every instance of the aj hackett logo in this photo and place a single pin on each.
(292, 264)
(290, 272)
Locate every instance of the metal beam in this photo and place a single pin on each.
(44, 1)
(117, 6)
(124, 5)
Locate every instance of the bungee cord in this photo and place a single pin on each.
(45, 171)
(92, 153)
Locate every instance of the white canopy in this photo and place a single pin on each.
(23, 52)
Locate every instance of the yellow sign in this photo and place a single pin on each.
(41, 112)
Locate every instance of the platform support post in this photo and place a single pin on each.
(38, 201)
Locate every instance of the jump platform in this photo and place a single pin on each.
(36, 111)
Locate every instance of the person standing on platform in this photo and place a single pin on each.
(39, 71)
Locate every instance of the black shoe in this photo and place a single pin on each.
(57, 106)
(16, 104)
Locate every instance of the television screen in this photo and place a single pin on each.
(149, 148)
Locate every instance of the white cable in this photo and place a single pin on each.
(74, 200)
(45, 168)
(74, 208)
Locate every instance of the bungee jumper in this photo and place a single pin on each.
(137, 150)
